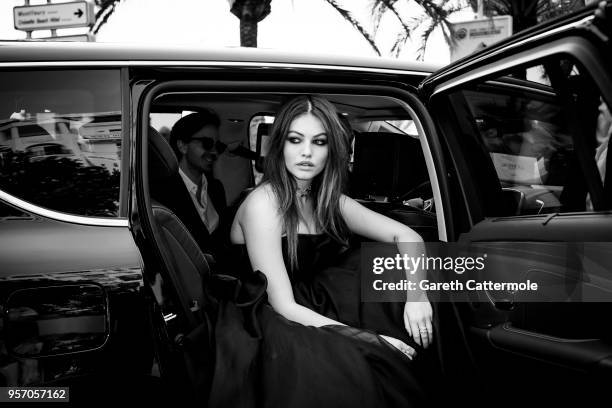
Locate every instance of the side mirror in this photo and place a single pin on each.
(55, 320)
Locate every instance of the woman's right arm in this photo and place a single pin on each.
(261, 227)
(262, 231)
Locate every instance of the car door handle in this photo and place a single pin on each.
(579, 353)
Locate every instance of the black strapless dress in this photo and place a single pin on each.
(265, 360)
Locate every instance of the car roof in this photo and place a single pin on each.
(145, 54)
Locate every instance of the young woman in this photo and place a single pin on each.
(309, 343)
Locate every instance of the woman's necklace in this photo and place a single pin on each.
(303, 192)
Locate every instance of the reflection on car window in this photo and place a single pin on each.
(528, 122)
(399, 126)
(60, 139)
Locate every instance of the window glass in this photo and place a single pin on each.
(259, 124)
(60, 139)
(400, 126)
(163, 122)
(538, 129)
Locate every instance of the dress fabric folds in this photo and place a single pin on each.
(265, 360)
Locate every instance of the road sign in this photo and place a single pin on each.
(51, 16)
(474, 35)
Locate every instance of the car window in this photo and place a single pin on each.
(399, 126)
(163, 122)
(537, 129)
(254, 126)
(60, 139)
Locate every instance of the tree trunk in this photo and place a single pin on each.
(250, 12)
(524, 14)
(248, 33)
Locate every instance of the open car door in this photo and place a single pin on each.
(525, 127)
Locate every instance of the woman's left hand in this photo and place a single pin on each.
(417, 319)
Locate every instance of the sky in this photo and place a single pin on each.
(296, 25)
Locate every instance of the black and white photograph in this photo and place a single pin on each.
(306, 203)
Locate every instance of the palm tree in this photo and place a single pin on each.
(250, 13)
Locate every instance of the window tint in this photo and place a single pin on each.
(261, 124)
(60, 139)
(537, 129)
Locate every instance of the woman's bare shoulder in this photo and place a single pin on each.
(260, 207)
(261, 202)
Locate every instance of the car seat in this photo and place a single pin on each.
(386, 165)
(186, 276)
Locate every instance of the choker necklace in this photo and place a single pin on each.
(303, 193)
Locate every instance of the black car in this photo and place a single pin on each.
(103, 279)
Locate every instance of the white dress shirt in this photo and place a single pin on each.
(203, 203)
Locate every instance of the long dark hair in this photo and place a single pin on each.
(326, 187)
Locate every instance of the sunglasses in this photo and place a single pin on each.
(208, 143)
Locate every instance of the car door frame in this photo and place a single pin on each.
(491, 326)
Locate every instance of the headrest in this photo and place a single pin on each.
(387, 164)
(163, 163)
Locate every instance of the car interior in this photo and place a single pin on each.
(387, 173)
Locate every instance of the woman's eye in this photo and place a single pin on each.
(320, 142)
(294, 140)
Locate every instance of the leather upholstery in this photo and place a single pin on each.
(188, 266)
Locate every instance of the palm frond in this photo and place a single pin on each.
(362, 30)
(424, 37)
(377, 9)
(398, 44)
(107, 8)
(438, 17)
(390, 6)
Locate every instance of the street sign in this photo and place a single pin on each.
(52, 16)
(471, 36)
(77, 37)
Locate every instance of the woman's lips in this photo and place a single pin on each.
(305, 164)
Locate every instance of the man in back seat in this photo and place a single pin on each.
(195, 140)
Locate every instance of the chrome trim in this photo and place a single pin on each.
(59, 216)
(190, 63)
